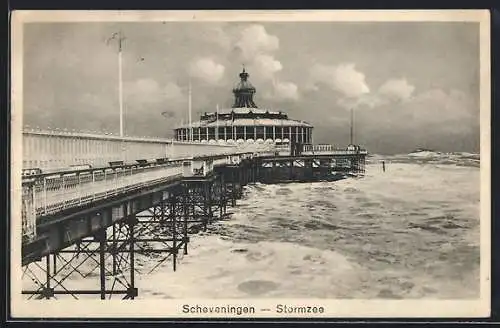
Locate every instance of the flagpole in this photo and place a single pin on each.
(120, 85)
(217, 123)
(189, 109)
(352, 127)
(182, 127)
(119, 37)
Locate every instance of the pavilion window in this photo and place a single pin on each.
(286, 132)
(240, 132)
(269, 133)
(196, 134)
(220, 132)
(279, 132)
(259, 132)
(211, 133)
(250, 132)
(203, 134)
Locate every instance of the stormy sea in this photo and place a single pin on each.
(411, 232)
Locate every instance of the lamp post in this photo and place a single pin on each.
(119, 37)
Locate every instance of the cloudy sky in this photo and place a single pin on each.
(410, 84)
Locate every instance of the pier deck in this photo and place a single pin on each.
(67, 208)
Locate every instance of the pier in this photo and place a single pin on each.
(104, 200)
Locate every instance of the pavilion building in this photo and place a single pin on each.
(246, 123)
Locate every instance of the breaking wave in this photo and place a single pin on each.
(431, 157)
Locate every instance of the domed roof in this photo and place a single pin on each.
(244, 112)
(244, 85)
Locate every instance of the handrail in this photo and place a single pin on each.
(173, 161)
(50, 192)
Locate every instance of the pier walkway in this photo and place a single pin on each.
(72, 198)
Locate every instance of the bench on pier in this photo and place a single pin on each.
(116, 163)
(161, 160)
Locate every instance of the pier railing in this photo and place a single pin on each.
(49, 193)
(46, 193)
(57, 192)
(331, 150)
(50, 150)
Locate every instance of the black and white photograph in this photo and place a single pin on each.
(250, 164)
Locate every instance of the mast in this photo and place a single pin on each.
(217, 123)
(181, 138)
(189, 111)
(352, 127)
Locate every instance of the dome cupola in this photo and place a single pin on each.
(243, 92)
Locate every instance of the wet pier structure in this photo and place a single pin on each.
(93, 224)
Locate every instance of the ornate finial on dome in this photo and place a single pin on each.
(244, 75)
